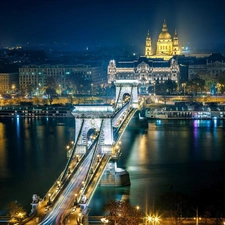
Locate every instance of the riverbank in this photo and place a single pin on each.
(30, 110)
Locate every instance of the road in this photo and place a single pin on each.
(63, 205)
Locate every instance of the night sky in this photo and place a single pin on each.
(93, 23)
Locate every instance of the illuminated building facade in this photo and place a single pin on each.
(166, 47)
(36, 75)
(8, 82)
(146, 71)
(212, 65)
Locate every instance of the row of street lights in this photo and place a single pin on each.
(68, 146)
(153, 219)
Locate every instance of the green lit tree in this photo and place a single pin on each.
(208, 78)
(221, 82)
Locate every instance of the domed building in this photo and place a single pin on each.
(166, 46)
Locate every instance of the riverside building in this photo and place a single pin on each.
(36, 75)
(146, 71)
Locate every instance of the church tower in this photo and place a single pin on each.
(148, 46)
(176, 48)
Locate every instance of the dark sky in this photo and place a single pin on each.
(82, 23)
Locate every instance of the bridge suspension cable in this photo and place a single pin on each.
(94, 153)
(131, 96)
(118, 98)
(72, 154)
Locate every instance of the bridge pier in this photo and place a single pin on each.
(114, 176)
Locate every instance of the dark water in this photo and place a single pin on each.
(32, 155)
(190, 155)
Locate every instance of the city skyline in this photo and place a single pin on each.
(88, 24)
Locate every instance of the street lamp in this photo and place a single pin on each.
(79, 218)
(20, 215)
(49, 198)
(75, 202)
(83, 183)
(60, 89)
(13, 88)
(184, 85)
(153, 219)
(104, 221)
(91, 89)
(77, 156)
(58, 183)
(154, 87)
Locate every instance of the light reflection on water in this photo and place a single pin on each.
(186, 154)
(32, 155)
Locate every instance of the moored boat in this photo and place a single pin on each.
(186, 114)
(35, 111)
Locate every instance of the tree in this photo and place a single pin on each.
(16, 212)
(175, 206)
(30, 89)
(51, 89)
(51, 93)
(206, 214)
(207, 77)
(170, 86)
(78, 82)
(159, 88)
(71, 99)
(36, 101)
(221, 82)
(122, 212)
(196, 85)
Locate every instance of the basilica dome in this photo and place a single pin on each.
(164, 34)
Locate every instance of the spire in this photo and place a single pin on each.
(176, 48)
(148, 45)
(148, 38)
(175, 33)
(164, 28)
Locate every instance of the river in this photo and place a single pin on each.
(185, 154)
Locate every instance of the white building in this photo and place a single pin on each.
(146, 71)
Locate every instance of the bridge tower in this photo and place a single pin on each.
(125, 82)
(126, 87)
(93, 117)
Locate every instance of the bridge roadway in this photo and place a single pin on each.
(75, 187)
(63, 199)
